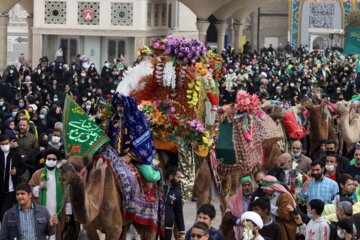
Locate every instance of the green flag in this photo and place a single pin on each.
(352, 41)
(81, 134)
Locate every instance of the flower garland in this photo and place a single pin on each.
(169, 79)
(193, 92)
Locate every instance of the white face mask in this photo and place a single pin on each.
(50, 163)
(55, 139)
(5, 148)
(340, 234)
(248, 234)
(330, 167)
(42, 116)
(88, 107)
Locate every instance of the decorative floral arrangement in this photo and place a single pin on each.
(231, 81)
(201, 140)
(214, 62)
(144, 52)
(189, 52)
(167, 125)
(247, 103)
(247, 106)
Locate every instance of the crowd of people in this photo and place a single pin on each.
(305, 195)
(31, 105)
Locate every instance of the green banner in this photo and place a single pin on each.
(352, 41)
(81, 134)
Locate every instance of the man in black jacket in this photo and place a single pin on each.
(173, 204)
(11, 167)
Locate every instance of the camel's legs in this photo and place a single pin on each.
(114, 234)
(125, 229)
(92, 234)
(145, 233)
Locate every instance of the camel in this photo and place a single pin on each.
(88, 209)
(321, 123)
(275, 150)
(349, 125)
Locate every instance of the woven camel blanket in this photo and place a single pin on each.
(143, 202)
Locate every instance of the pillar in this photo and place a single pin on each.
(37, 48)
(30, 24)
(202, 27)
(4, 22)
(238, 36)
(254, 29)
(139, 42)
(221, 27)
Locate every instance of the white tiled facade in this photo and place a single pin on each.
(102, 29)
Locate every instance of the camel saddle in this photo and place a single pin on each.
(293, 128)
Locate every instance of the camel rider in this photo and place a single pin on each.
(130, 135)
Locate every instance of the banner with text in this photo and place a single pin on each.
(80, 133)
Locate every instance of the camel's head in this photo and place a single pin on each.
(274, 111)
(74, 168)
(343, 107)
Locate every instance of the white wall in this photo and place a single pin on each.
(187, 19)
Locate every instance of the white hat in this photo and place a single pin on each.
(254, 217)
(263, 74)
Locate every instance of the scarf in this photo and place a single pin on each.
(59, 193)
(142, 144)
(272, 184)
(236, 204)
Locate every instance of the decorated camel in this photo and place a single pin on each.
(246, 132)
(96, 201)
(349, 124)
(175, 83)
(109, 193)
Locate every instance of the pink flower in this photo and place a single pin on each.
(172, 109)
(200, 128)
(193, 123)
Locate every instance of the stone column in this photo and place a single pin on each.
(254, 29)
(139, 42)
(221, 27)
(238, 36)
(202, 26)
(4, 22)
(30, 24)
(37, 47)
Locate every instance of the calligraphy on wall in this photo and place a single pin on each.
(321, 15)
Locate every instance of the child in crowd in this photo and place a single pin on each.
(206, 214)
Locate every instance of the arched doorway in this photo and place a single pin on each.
(319, 43)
